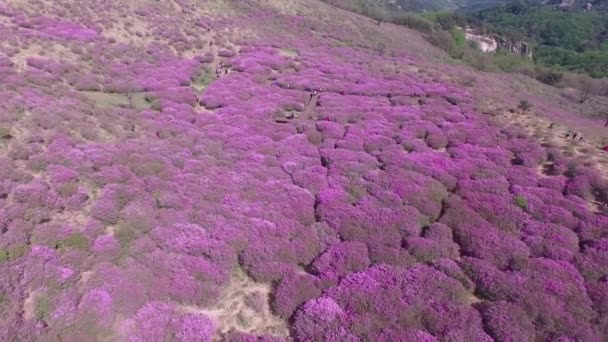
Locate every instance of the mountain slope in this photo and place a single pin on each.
(444, 5)
(280, 170)
(475, 5)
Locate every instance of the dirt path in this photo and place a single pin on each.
(311, 106)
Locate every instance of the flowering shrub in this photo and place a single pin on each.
(294, 291)
(507, 321)
(368, 303)
(149, 155)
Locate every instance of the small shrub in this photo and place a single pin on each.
(414, 22)
(4, 256)
(5, 133)
(292, 292)
(124, 234)
(524, 106)
(443, 40)
(548, 76)
(521, 202)
(42, 308)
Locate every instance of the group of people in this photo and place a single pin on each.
(222, 70)
(574, 136)
(312, 93)
(568, 134)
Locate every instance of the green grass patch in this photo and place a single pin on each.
(77, 241)
(3, 302)
(17, 250)
(521, 202)
(459, 38)
(42, 308)
(204, 78)
(13, 252)
(4, 256)
(73, 241)
(124, 234)
(135, 100)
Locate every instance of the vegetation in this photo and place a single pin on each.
(569, 40)
(521, 202)
(568, 45)
(524, 106)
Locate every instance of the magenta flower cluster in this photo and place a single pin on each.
(376, 203)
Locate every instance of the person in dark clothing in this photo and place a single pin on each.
(574, 136)
(551, 125)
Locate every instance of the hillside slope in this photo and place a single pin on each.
(281, 170)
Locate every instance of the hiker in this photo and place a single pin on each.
(574, 136)
(551, 125)
(581, 138)
(568, 134)
(290, 115)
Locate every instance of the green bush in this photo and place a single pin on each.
(443, 40)
(509, 62)
(459, 38)
(413, 21)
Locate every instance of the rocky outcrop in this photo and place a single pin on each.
(586, 5)
(521, 48)
(491, 43)
(486, 43)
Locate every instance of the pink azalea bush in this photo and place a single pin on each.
(135, 183)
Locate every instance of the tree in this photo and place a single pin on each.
(585, 86)
(524, 106)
